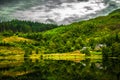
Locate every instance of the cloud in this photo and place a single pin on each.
(57, 11)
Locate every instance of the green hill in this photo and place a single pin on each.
(99, 34)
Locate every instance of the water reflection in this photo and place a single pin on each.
(88, 69)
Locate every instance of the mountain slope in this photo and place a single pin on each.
(77, 35)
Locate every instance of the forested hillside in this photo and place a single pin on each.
(99, 34)
(24, 26)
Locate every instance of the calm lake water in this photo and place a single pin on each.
(87, 69)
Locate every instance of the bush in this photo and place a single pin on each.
(28, 52)
(86, 51)
(7, 34)
(116, 49)
(7, 44)
(106, 52)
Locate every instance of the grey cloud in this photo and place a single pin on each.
(88, 8)
(45, 10)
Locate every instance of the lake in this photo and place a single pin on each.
(46, 69)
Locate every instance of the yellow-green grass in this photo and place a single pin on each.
(95, 55)
(11, 50)
(64, 56)
(14, 57)
(16, 73)
(73, 56)
(11, 61)
(14, 63)
(17, 39)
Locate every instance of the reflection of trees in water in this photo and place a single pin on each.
(62, 70)
(111, 67)
(68, 70)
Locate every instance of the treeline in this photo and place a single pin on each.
(24, 26)
(112, 48)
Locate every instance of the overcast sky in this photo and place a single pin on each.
(55, 11)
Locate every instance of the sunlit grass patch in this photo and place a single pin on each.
(17, 39)
(16, 73)
(10, 50)
(76, 55)
(96, 53)
(64, 56)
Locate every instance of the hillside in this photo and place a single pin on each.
(91, 34)
(15, 26)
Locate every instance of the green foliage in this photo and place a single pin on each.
(25, 26)
(8, 33)
(92, 43)
(7, 44)
(112, 50)
(86, 51)
(28, 52)
(106, 52)
(115, 49)
(37, 51)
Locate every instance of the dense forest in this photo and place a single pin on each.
(24, 26)
(101, 34)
